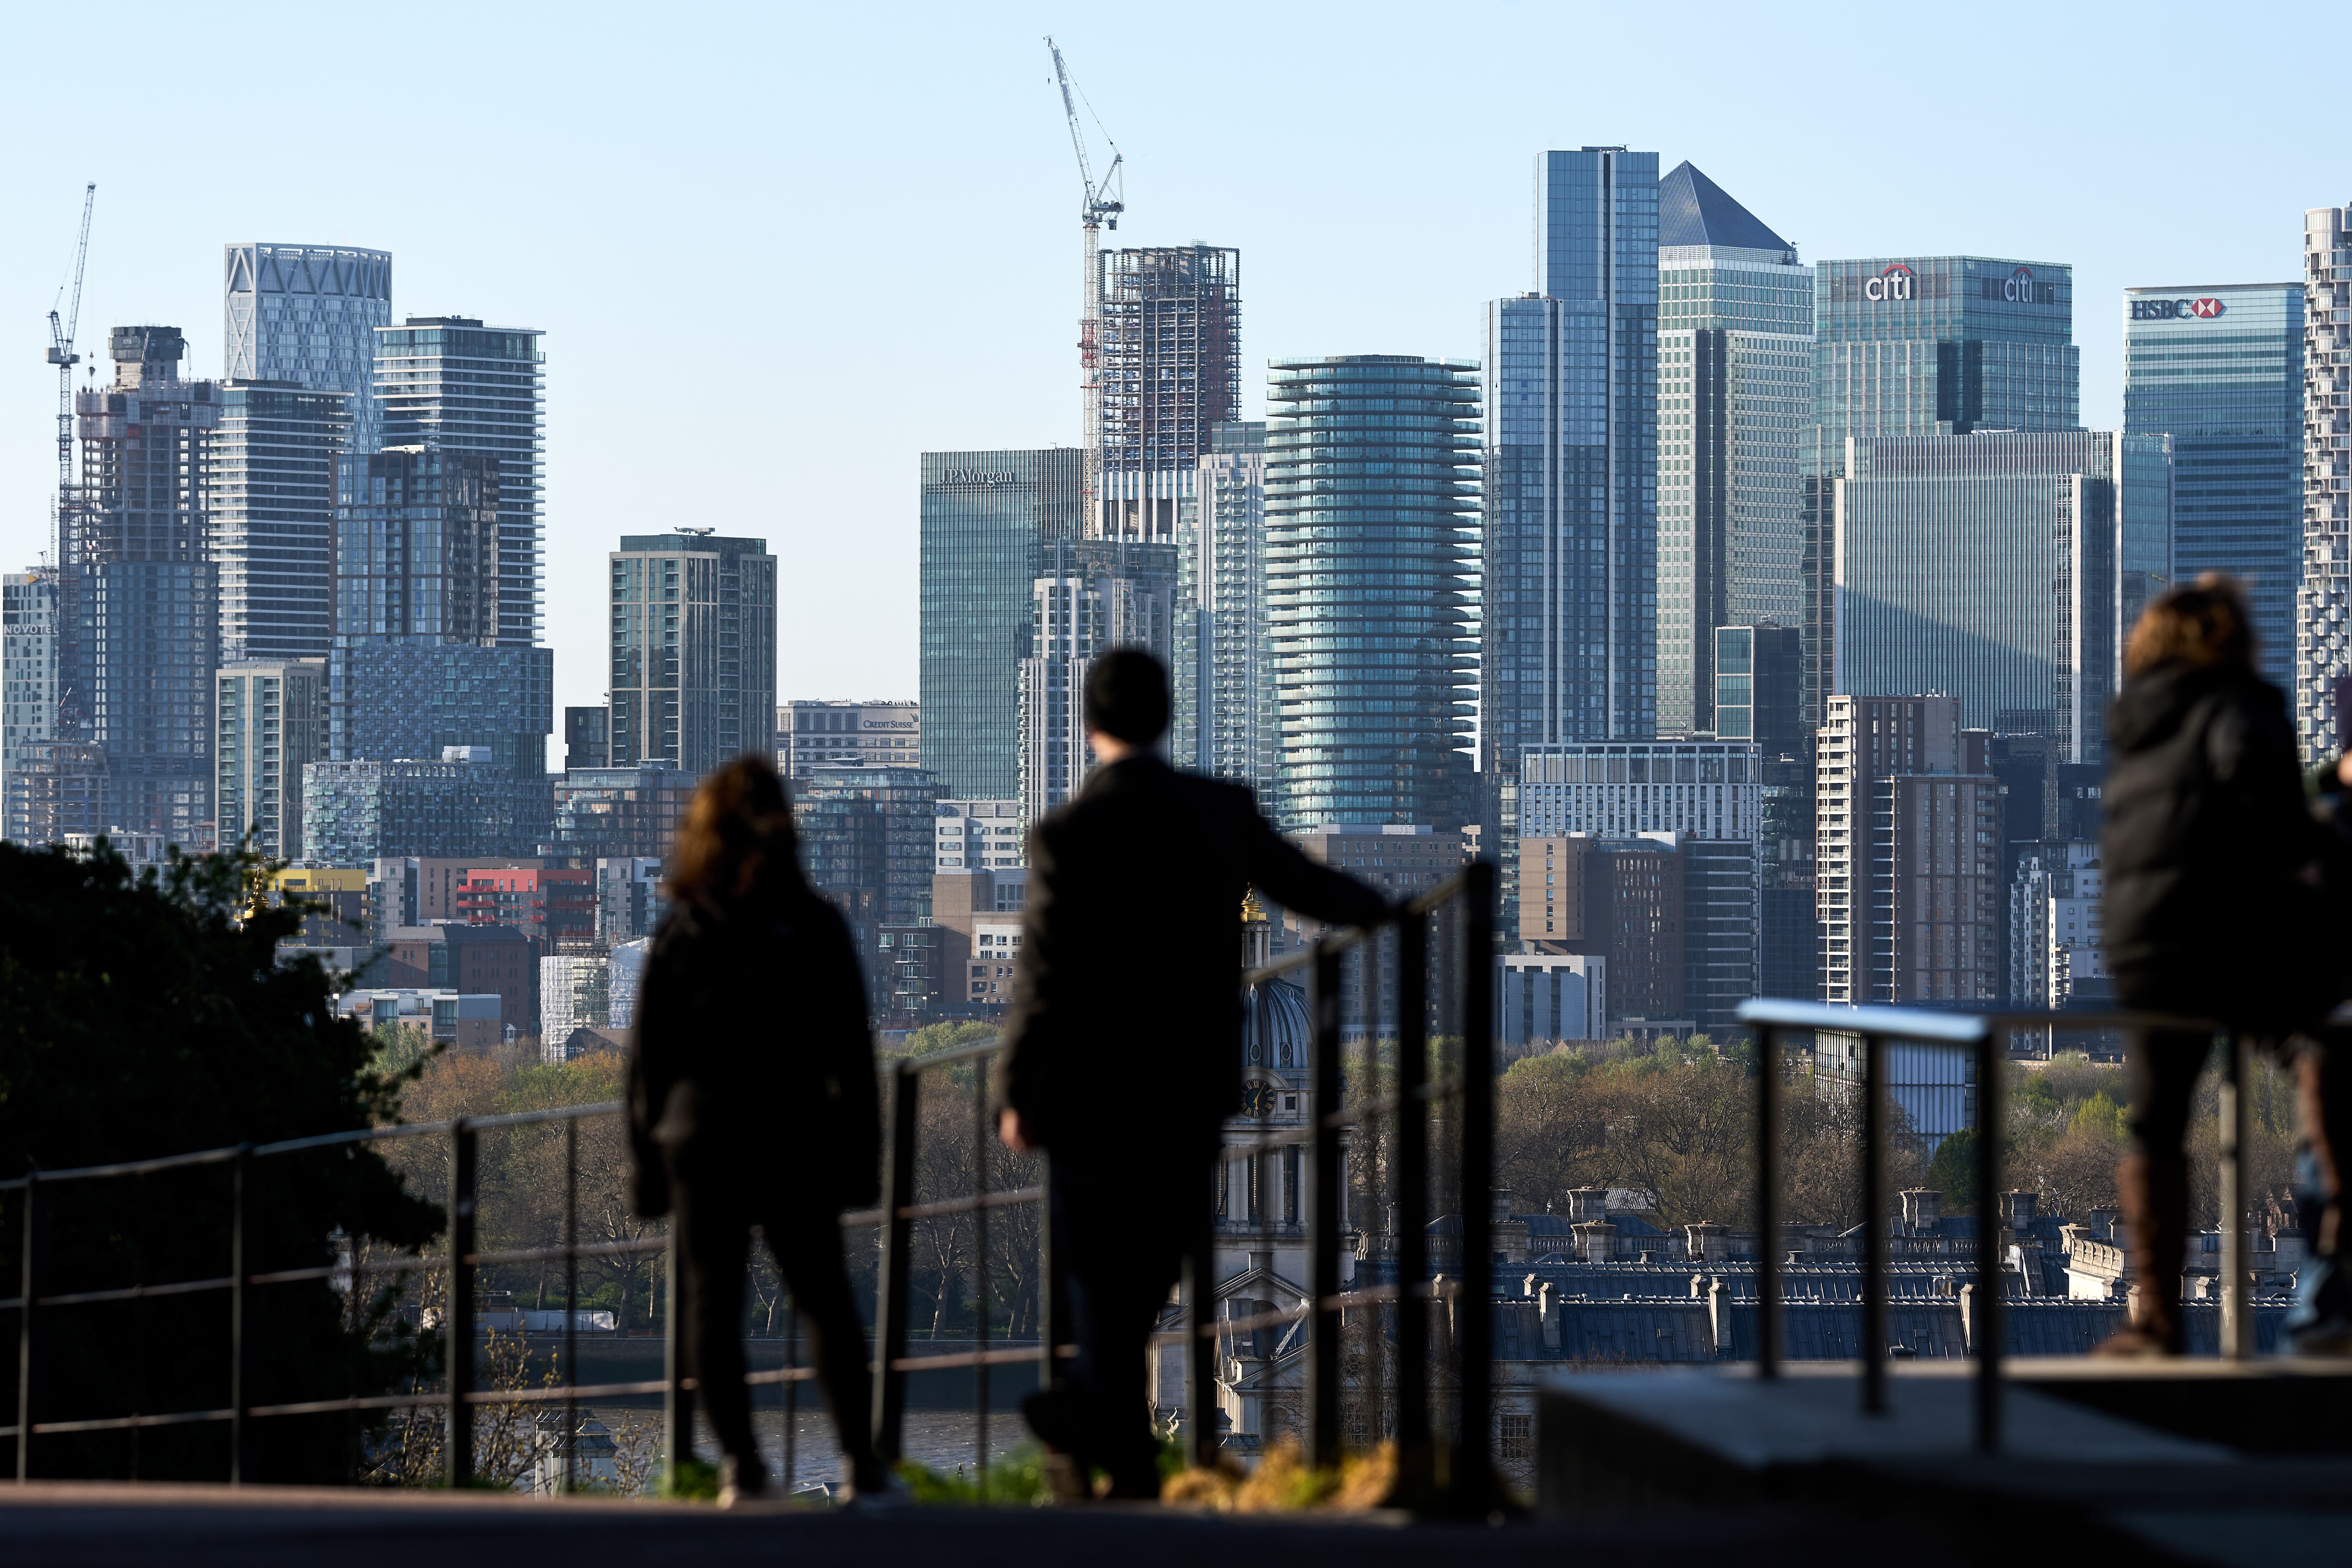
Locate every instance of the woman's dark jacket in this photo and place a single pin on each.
(752, 1062)
(2208, 849)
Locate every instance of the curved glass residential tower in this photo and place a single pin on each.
(1371, 481)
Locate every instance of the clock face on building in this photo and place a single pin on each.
(1257, 1100)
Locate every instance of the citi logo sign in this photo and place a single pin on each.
(2177, 309)
(2017, 287)
(1894, 283)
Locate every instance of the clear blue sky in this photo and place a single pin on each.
(780, 251)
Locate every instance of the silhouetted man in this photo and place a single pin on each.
(1124, 1040)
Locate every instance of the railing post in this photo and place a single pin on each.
(1200, 1336)
(1873, 1223)
(897, 1234)
(32, 1278)
(980, 1137)
(678, 1400)
(1051, 1313)
(1984, 1325)
(2237, 1297)
(460, 1317)
(240, 1265)
(571, 1303)
(1323, 1318)
(1411, 1165)
(1473, 1471)
(1768, 1204)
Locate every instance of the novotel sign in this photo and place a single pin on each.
(2177, 309)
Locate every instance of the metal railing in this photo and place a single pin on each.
(1984, 1035)
(1471, 1090)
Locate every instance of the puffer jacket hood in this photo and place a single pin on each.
(2154, 704)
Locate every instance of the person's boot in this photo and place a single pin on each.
(2155, 1201)
(741, 1479)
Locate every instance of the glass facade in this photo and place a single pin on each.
(693, 651)
(986, 517)
(1095, 594)
(450, 384)
(270, 720)
(2218, 367)
(308, 315)
(354, 813)
(269, 504)
(1371, 468)
(1735, 394)
(2322, 656)
(1985, 567)
(1226, 716)
(1923, 345)
(28, 663)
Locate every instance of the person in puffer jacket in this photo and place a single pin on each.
(2217, 908)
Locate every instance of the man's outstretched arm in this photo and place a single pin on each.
(1285, 874)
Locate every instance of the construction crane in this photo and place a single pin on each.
(1103, 203)
(62, 351)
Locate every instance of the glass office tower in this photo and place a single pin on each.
(1570, 537)
(1985, 567)
(986, 517)
(308, 314)
(2218, 367)
(1924, 345)
(449, 383)
(270, 478)
(1735, 393)
(1371, 468)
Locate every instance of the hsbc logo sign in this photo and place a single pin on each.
(1894, 283)
(2177, 310)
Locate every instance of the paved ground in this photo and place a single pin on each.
(99, 1526)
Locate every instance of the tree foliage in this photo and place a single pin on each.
(142, 1015)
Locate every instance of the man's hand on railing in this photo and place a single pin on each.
(1009, 1129)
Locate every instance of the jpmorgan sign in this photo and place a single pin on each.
(1894, 283)
(991, 477)
(2177, 309)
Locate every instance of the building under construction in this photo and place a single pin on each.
(1171, 370)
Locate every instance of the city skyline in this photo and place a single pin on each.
(1829, 177)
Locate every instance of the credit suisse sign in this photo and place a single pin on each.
(2177, 309)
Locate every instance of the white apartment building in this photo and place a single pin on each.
(2056, 939)
(979, 836)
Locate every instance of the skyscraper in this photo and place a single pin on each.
(1984, 566)
(2218, 367)
(449, 383)
(269, 504)
(1924, 345)
(308, 315)
(1171, 371)
(272, 723)
(139, 629)
(2325, 597)
(985, 519)
(419, 664)
(1570, 527)
(29, 662)
(1735, 392)
(1226, 718)
(1371, 466)
(1093, 596)
(693, 676)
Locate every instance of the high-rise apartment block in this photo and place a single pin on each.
(587, 737)
(812, 733)
(1923, 345)
(270, 723)
(1735, 393)
(978, 836)
(1907, 856)
(1673, 915)
(1371, 477)
(1570, 535)
(2324, 600)
(693, 673)
(450, 384)
(137, 592)
(1093, 596)
(618, 813)
(1170, 344)
(419, 663)
(306, 315)
(29, 662)
(1985, 566)
(2219, 368)
(354, 813)
(986, 517)
(2056, 924)
(1226, 721)
(866, 845)
(269, 505)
